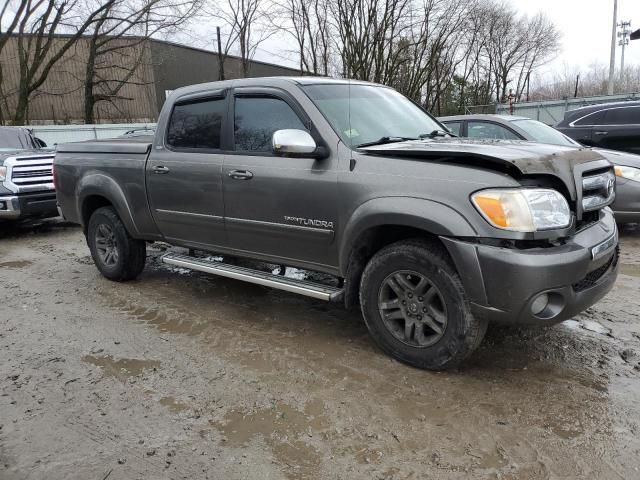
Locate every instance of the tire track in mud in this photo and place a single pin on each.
(216, 331)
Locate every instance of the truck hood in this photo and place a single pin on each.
(516, 157)
(4, 154)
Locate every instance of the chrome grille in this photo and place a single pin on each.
(598, 190)
(29, 173)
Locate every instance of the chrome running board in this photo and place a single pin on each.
(302, 287)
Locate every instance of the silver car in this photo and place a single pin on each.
(509, 127)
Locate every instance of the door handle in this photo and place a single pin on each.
(160, 169)
(241, 174)
(599, 132)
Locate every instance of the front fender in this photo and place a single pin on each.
(428, 215)
(99, 184)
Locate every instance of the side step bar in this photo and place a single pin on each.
(303, 287)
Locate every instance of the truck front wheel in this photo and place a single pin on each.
(118, 256)
(415, 307)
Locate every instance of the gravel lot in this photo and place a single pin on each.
(182, 375)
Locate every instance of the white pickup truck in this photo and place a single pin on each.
(26, 177)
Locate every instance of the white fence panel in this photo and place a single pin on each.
(552, 111)
(54, 134)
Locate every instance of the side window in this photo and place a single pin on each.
(454, 127)
(196, 124)
(257, 118)
(595, 118)
(622, 116)
(489, 130)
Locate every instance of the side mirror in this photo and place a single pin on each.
(294, 142)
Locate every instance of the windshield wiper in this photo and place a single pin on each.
(437, 133)
(385, 140)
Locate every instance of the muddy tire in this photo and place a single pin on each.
(415, 307)
(118, 256)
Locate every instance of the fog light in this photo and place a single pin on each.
(3, 205)
(539, 304)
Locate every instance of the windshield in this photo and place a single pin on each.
(14, 139)
(376, 113)
(539, 132)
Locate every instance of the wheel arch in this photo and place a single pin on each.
(383, 221)
(99, 190)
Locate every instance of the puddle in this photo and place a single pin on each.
(173, 405)
(16, 264)
(284, 429)
(121, 368)
(628, 269)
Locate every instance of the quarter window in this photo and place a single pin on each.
(256, 120)
(196, 124)
(591, 119)
(622, 116)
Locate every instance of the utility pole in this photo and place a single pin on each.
(612, 60)
(220, 59)
(575, 93)
(623, 42)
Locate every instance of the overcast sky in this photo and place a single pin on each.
(586, 29)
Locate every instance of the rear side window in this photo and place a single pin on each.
(257, 118)
(622, 116)
(489, 130)
(196, 124)
(454, 127)
(591, 119)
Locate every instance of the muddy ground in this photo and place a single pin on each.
(189, 376)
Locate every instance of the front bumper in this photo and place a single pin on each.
(627, 204)
(503, 283)
(42, 204)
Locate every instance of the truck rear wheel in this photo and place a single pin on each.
(415, 307)
(118, 256)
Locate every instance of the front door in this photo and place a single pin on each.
(184, 173)
(280, 208)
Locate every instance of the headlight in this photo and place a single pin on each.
(3, 173)
(629, 173)
(523, 209)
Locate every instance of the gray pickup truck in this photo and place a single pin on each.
(432, 236)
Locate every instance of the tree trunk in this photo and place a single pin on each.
(20, 118)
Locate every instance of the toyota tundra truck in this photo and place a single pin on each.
(26, 182)
(432, 236)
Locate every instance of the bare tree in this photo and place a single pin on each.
(517, 45)
(308, 22)
(246, 23)
(118, 47)
(38, 45)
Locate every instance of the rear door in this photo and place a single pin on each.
(620, 129)
(581, 129)
(184, 172)
(276, 207)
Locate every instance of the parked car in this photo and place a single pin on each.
(26, 181)
(627, 165)
(615, 126)
(432, 235)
